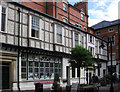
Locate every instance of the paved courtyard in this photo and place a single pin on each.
(102, 89)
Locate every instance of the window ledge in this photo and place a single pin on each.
(3, 32)
(34, 38)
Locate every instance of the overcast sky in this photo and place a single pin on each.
(99, 10)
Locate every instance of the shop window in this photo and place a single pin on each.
(45, 69)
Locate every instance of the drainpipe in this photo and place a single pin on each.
(18, 49)
(55, 9)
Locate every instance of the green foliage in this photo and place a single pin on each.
(80, 57)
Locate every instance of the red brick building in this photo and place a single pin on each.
(107, 29)
(77, 14)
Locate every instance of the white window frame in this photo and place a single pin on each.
(30, 27)
(55, 34)
(5, 31)
(65, 20)
(75, 38)
(64, 6)
(82, 16)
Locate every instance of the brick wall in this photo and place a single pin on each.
(74, 15)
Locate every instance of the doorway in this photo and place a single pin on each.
(5, 75)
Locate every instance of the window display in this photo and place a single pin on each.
(40, 67)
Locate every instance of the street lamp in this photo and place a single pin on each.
(102, 46)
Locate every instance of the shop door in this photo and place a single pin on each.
(5, 76)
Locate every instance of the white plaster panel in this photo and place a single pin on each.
(10, 39)
(3, 38)
(51, 47)
(47, 19)
(37, 44)
(66, 50)
(11, 5)
(66, 32)
(51, 27)
(70, 34)
(47, 36)
(11, 14)
(25, 18)
(51, 37)
(46, 46)
(24, 42)
(25, 11)
(16, 40)
(47, 26)
(42, 35)
(60, 48)
(42, 45)
(16, 29)
(70, 43)
(57, 48)
(67, 42)
(10, 27)
(24, 31)
(32, 43)
(41, 24)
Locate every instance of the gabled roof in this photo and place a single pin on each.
(105, 24)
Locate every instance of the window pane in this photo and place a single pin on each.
(41, 64)
(23, 70)
(30, 64)
(35, 27)
(47, 64)
(3, 22)
(24, 76)
(23, 63)
(36, 64)
(51, 64)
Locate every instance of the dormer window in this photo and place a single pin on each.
(98, 33)
(111, 30)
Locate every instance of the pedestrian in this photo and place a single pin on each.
(95, 82)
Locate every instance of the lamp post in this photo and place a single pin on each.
(102, 46)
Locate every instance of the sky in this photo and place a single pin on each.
(99, 10)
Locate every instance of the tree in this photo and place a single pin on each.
(80, 57)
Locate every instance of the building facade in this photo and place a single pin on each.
(107, 29)
(35, 46)
(76, 14)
